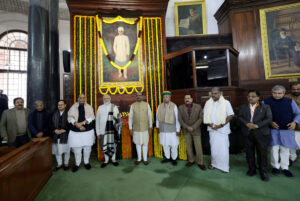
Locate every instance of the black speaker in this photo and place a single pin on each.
(66, 61)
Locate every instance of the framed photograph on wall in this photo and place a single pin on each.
(120, 40)
(190, 18)
(280, 33)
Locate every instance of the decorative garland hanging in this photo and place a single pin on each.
(119, 18)
(118, 89)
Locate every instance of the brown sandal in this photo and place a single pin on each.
(211, 167)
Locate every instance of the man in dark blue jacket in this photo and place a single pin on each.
(39, 121)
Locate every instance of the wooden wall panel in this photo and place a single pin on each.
(244, 22)
(225, 26)
(244, 40)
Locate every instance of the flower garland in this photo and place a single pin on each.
(118, 18)
(118, 89)
(157, 146)
(182, 147)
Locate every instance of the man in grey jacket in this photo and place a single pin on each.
(14, 124)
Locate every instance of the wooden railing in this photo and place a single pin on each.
(25, 170)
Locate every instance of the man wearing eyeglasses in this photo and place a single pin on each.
(255, 119)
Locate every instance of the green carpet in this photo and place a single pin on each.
(164, 182)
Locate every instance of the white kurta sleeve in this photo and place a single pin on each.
(229, 110)
(157, 122)
(176, 119)
(130, 118)
(150, 116)
(98, 119)
(115, 45)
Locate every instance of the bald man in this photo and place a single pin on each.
(140, 125)
(108, 130)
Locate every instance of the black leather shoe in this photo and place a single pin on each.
(275, 171)
(56, 169)
(115, 163)
(75, 168)
(174, 162)
(202, 167)
(87, 166)
(165, 160)
(264, 176)
(251, 173)
(287, 173)
(66, 168)
(103, 165)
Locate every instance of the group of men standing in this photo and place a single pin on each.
(270, 122)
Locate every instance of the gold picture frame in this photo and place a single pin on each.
(280, 34)
(190, 18)
(114, 83)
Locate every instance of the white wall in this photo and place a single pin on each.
(10, 21)
(211, 7)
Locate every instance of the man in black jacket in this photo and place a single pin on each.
(255, 119)
(60, 132)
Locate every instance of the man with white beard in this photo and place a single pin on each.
(108, 129)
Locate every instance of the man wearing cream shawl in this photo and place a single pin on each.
(217, 115)
(81, 135)
(168, 127)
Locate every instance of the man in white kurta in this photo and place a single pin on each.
(81, 135)
(108, 129)
(121, 49)
(217, 114)
(169, 128)
(140, 126)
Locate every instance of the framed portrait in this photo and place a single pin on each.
(120, 40)
(280, 33)
(190, 18)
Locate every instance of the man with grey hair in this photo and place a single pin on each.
(39, 120)
(121, 49)
(285, 116)
(108, 129)
(217, 115)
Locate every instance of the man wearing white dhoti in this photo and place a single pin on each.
(108, 130)
(60, 133)
(217, 115)
(140, 125)
(168, 127)
(121, 49)
(81, 135)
